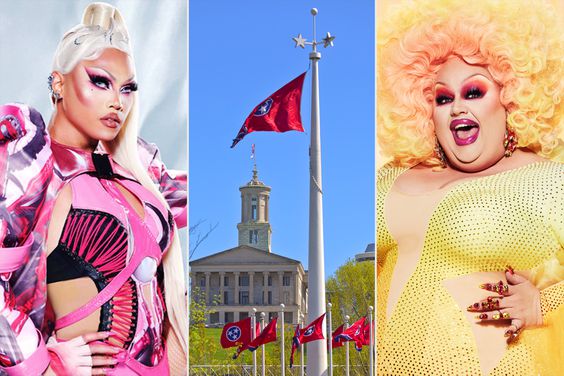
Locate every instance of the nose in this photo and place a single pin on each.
(458, 107)
(115, 102)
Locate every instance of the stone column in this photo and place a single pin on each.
(265, 287)
(207, 288)
(280, 295)
(251, 288)
(296, 288)
(236, 297)
(221, 289)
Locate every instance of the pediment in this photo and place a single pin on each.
(243, 255)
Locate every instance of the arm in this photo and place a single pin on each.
(172, 184)
(25, 173)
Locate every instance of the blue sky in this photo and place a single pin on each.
(240, 53)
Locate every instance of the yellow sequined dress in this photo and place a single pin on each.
(511, 218)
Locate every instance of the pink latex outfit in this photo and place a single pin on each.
(103, 238)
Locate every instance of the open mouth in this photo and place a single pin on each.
(464, 131)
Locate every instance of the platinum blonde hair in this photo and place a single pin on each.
(103, 27)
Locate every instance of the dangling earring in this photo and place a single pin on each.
(440, 153)
(509, 142)
(54, 94)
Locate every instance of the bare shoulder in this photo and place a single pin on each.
(61, 209)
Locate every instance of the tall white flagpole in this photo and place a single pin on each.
(282, 360)
(347, 371)
(330, 338)
(253, 334)
(316, 350)
(370, 309)
(302, 349)
(262, 325)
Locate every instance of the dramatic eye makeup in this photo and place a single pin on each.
(443, 96)
(99, 80)
(474, 89)
(129, 88)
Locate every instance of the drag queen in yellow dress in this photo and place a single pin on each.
(471, 205)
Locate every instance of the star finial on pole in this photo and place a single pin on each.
(328, 40)
(302, 42)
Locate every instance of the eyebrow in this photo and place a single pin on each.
(466, 79)
(111, 75)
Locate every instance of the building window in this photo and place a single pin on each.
(243, 297)
(253, 236)
(270, 297)
(243, 315)
(286, 298)
(243, 280)
(229, 317)
(214, 317)
(286, 280)
(269, 280)
(225, 281)
(225, 297)
(203, 282)
(254, 208)
(288, 317)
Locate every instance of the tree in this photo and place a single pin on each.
(202, 346)
(351, 291)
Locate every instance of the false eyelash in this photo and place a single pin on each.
(442, 99)
(96, 79)
(131, 87)
(474, 92)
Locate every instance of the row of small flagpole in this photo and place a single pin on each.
(301, 320)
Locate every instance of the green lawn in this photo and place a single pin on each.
(224, 356)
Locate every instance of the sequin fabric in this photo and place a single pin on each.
(514, 217)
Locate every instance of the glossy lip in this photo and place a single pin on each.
(464, 141)
(111, 120)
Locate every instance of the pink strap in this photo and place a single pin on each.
(144, 245)
(36, 364)
(12, 258)
(161, 369)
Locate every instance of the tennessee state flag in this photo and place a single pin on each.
(267, 335)
(355, 333)
(313, 331)
(236, 333)
(280, 112)
(295, 344)
(335, 341)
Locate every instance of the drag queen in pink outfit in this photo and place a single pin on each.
(88, 217)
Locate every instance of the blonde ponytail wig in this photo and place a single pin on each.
(103, 27)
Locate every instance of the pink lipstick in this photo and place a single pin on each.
(111, 120)
(464, 131)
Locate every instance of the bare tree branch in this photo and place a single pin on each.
(197, 237)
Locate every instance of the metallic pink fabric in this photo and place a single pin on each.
(32, 171)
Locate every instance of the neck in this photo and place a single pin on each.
(63, 131)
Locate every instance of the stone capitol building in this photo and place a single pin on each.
(251, 275)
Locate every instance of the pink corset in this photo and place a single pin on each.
(105, 239)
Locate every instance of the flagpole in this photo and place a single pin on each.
(282, 361)
(302, 348)
(370, 309)
(253, 334)
(330, 338)
(262, 316)
(347, 318)
(316, 350)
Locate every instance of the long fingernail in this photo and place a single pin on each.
(482, 316)
(486, 286)
(473, 307)
(508, 333)
(509, 269)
